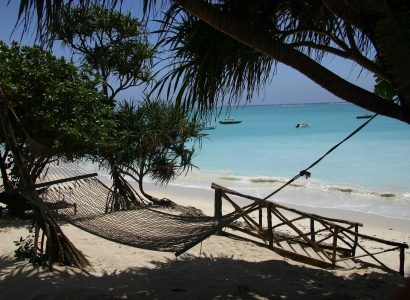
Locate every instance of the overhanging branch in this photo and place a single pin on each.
(293, 58)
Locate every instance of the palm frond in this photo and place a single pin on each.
(207, 68)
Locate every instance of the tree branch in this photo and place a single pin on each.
(320, 47)
(295, 59)
(375, 18)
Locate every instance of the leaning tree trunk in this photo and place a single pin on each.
(375, 17)
(58, 248)
(161, 202)
(141, 188)
(281, 52)
(123, 196)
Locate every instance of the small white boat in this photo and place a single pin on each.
(230, 121)
(302, 125)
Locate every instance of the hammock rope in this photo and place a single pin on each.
(306, 173)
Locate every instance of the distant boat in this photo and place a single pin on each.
(208, 128)
(230, 121)
(302, 125)
(364, 117)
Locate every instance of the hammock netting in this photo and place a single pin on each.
(82, 203)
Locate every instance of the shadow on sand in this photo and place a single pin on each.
(13, 222)
(192, 277)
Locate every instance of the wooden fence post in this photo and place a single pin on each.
(218, 206)
(312, 230)
(260, 215)
(401, 270)
(356, 240)
(269, 219)
(335, 234)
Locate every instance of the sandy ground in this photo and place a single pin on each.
(220, 268)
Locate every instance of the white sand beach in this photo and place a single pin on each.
(219, 268)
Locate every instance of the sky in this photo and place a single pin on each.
(287, 86)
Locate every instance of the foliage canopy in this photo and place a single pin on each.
(57, 109)
(374, 35)
(110, 42)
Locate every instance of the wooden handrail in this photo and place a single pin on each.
(259, 200)
(369, 237)
(336, 230)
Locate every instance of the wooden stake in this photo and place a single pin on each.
(401, 270)
(356, 240)
(312, 230)
(269, 219)
(335, 233)
(218, 206)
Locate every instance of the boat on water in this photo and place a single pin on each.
(230, 121)
(208, 128)
(364, 117)
(302, 125)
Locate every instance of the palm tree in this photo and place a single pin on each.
(156, 139)
(298, 33)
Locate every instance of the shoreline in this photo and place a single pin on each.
(206, 195)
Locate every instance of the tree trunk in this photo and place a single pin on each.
(58, 247)
(123, 196)
(141, 187)
(283, 53)
(3, 169)
(17, 205)
(374, 17)
(154, 200)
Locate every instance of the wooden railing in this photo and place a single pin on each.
(335, 241)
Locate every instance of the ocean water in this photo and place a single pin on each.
(369, 173)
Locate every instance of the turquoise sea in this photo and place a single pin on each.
(369, 173)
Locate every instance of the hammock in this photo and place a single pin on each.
(82, 203)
